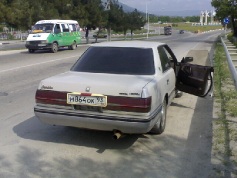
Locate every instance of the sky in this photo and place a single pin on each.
(159, 6)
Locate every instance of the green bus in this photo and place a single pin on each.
(53, 34)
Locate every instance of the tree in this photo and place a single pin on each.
(95, 16)
(22, 14)
(192, 19)
(114, 17)
(50, 12)
(226, 8)
(63, 7)
(79, 13)
(136, 21)
(2, 12)
(125, 26)
(17, 13)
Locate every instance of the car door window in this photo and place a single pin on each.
(193, 79)
(165, 58)
(65, 27)
(57, 29)
(72, 27)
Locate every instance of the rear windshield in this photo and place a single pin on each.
(116, 60)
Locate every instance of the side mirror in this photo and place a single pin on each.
(187, 59)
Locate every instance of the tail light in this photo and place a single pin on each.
(51, 97)
(129, 104)
(115, 103)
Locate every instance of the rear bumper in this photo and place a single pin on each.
(97, 122)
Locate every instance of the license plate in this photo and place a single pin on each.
(41, 44)
(92, 100)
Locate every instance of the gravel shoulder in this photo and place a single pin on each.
(213, 122)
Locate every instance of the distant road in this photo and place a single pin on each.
(17, 44)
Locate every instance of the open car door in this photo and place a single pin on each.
(194, 79)
(191, 78)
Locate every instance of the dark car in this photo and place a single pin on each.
(181, 31)
(100, 36)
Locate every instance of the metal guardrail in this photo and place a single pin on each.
(232, 68)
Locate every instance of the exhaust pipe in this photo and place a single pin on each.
(117, 135)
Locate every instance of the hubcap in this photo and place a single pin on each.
(55, 47)
(163, 113)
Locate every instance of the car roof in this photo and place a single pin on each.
(134, 44)
(57, 21)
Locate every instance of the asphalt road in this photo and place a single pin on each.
(31, 149)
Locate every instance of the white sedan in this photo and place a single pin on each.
(123, 87)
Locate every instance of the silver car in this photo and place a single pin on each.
(123, 87)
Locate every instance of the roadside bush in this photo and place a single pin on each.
(10, 37)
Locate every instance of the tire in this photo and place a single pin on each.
(31, 50)
(159, 127)
(178, 94)
(73, 46)
(54, 48)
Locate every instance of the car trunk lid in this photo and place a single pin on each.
(106, 84)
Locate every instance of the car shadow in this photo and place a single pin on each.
(45, 51)
(178, 105)
(33, 129)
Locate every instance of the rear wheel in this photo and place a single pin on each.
(159, 127)
(178, 94)
(73, 46)
(54, 48)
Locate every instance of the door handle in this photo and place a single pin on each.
(168, 81)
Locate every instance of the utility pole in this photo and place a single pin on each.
(107, 8)
(107, 5)
(147, 19)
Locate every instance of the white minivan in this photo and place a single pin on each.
(53, 34)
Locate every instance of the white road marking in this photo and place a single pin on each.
(16, 68)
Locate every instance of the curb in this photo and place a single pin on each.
(4, 43)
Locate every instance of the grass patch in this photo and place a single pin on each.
(225, 127)
(232, 107)
(135, 36)
(224, 83)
